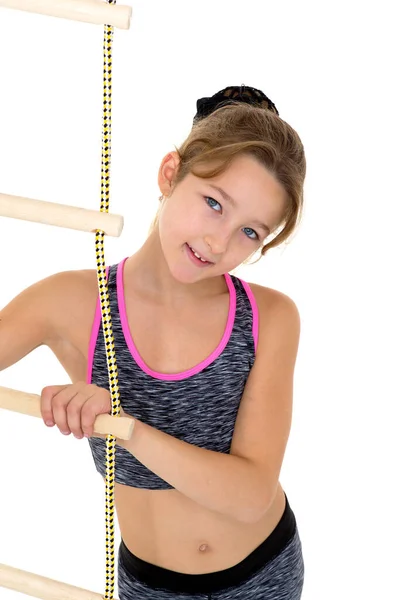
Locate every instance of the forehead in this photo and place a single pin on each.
(248, 171)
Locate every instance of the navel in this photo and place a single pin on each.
(204, 547)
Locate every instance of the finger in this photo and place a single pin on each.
(75, 409)
(46, 398)
(100, 403)
(60, 402)
(88, 417)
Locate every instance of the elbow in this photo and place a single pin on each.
(254, 510)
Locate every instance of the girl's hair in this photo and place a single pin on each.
(249, 125)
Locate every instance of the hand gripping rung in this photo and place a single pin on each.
(29, 404)
(60, 215)
(88, 11)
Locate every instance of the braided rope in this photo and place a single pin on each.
(105, 310)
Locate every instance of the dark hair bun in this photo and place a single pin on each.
(231, 95)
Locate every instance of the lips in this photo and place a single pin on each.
(197, 261)
(200, 255)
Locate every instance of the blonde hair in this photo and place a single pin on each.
(242, 129)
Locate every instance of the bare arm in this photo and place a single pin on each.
(26, 323)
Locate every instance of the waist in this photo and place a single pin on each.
(168, 529)
(159, 577)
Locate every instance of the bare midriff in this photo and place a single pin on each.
(167, 529)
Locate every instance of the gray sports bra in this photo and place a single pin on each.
(198, 406)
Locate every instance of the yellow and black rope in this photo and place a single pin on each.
(105, 311)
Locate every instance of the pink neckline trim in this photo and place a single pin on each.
(93, 337)
(254, 307)
(194, 370)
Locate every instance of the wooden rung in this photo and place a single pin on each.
(29, 404)
(88, 11)
(60, 215)
(42, 587)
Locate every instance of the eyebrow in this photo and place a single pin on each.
(233, 202)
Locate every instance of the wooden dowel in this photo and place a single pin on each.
(29, 404)
(60, 215)
(42, 587)
(88, 11)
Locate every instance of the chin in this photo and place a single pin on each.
(183, 275)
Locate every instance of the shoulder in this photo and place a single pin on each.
(44, 312)
(273, 302)
(65, 287)
(71, 295)
(278, 314)
(56, 299)
(58, 286)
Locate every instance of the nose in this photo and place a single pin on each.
(217, 242)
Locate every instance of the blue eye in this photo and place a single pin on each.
(213, 202)
(246, 229)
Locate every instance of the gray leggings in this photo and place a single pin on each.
(280, 578)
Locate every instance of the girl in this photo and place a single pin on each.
(205, 363)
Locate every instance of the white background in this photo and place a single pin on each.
(332, 70)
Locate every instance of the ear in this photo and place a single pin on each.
(167, 171)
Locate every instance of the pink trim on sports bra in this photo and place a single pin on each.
(254, 307)
(194, 370)
(93, 337)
